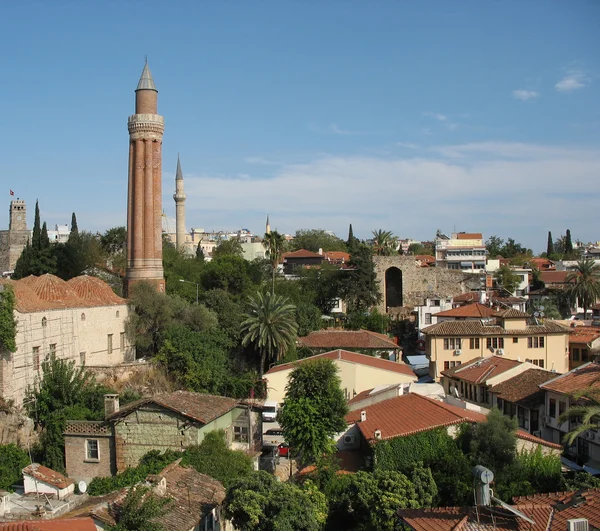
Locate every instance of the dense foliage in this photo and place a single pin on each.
(139, 511)
(8, 323)
(12, 461)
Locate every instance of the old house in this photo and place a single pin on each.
(39, 479)
(80, 320)
(584, 344)
(172, 421)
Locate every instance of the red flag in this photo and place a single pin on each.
(12, 193)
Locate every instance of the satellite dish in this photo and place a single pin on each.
(536, 314)
(542, 308)
(82, 485)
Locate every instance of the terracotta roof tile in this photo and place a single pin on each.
(337, 256)
(302, 253)
(587, 375)
(351, 357)
(347, 339)
(60, 524)
(554, 277)
(479, 370)
(469, 236)
(524, 389)
(584, 334)
(511, 313)
(476, 328)
(474, 311)
(203, 408)
(47, 475)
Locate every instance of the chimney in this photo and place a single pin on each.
(111, 405)
(320, 251)
(363, 416)
(378, 435)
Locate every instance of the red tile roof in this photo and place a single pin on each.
(554, 277)
(60, 524)
(409, 414)
(337, 256)
(48, 292)
(347, 339)
(474, 311)
(201, 407)
(511, 313)
(524, 388)
(587, 375)
(479, 370)
(371, 392)
(472, 327)
(469, 296)
(47, 475)
(351, 357)
(302, 253)
(469, 236)
(584, 334)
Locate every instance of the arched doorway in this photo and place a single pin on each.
(393, 288)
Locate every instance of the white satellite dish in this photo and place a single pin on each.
(82, 485)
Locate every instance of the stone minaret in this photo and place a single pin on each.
(268, 226)
(179, 197)
(144, 198)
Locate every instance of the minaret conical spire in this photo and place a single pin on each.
(179, 173)
(146, 82)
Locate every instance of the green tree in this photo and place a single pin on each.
(384, 242)
(213, 458)
(8, 323)
(74, 229)
(550, 246)
(259, 502)
(274, 243)
(200, 253)
(585, 409)
(360, 288)
(114, 241)
(139, 511)
(507, 279)
(229, 312)
(37, 258)
(12, 461)
(584, 284)
(81, 252)
(373, 320)
(494, 246)
(568, 246)
(512, 249)
(313, 409)
(231, 273)
(231, 247)
(315, 239)
(270, 327)
(36, 241)
(45, 239)
(352, 241)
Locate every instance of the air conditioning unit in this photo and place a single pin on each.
(349, 439)
(457, 352)
(500, 351)
(578, 524)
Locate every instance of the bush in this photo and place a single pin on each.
(12, 460)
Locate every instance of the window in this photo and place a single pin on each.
(82, 358)
(535, 342)
(584, 354)
(575, 354)
(52, 348)
(495, 342)
(117, 313)
(122, 340)
(515, 339)
(452, 343)
(109, 343)
(83, 316)
(474, 343)
(36, 358)
(435, 302)
(500, 404)
(427, 318)
(552, 408)
(240, 433)
(44, 321)
(451, 365)
(92, 452)
(562, 407)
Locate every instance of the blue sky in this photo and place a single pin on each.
(402, 115)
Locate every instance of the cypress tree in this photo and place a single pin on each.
(568, 245)
(36, 243)
(550, 246)
(44, 239)
(350, 235)
(23, 265)
(74, 229)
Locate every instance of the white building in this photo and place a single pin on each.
(464, 251)
(81, 320)
(429, 308)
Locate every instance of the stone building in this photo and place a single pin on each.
(172, 421)
(13, 240)
(81, 320)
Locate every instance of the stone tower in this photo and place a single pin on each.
(268, 226)
(179, 197)
(144, 197)
(13, 240)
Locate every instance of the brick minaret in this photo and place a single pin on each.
(144, 197)
(179, 197)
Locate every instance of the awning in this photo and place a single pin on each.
(466, 264)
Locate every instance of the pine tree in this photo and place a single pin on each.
(550, 247)
(568, 245)
(36, 242)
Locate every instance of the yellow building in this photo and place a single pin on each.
(508, 333)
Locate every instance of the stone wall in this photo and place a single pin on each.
(17, 429)
(419, 283)
(110, 375)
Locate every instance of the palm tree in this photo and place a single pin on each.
(270, 326)
(584, 284)
(586, 412)
(383, 242)
(274, 242)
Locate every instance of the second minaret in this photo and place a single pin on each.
(179, 197)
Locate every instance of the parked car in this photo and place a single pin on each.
(273, 437)
(269, 411)
(284, 449)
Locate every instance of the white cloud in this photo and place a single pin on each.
(436, 116)
(510, 189)
(334, 128)
(524, 95)
(574, 79)
(407, 145)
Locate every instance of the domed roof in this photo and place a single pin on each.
(53, 289)
(92, 289)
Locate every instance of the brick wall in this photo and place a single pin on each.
(78, 467)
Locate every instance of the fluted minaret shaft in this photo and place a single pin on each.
(179, 198)
(144, 201)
